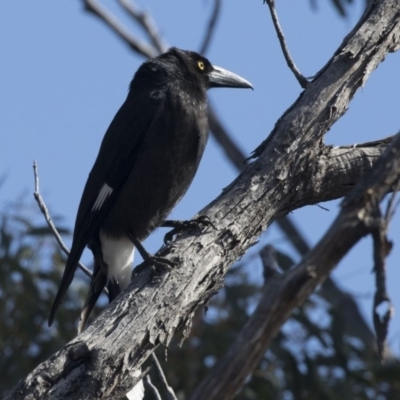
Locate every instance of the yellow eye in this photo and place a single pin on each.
(201, 65)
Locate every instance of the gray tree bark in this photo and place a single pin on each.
(292, 168)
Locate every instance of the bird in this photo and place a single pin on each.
(147, 159)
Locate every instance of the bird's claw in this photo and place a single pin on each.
(181, 226)
(163, 262)
(149, 258)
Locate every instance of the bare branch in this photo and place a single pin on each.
(301, 79)
(210, 30)
(146, 22)
(391, 205)
(135, 44)
(282, 293)
(270, 265)
(338, 170)
(232, 151)
(383, 309)
(43, 208)
(153, 389)
(161, 376)
(346, 166)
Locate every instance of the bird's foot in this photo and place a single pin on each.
(149, 258)
(160, 262)
(180, 226)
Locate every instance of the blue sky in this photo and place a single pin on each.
(64, 75)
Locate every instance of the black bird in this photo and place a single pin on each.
(147, 160)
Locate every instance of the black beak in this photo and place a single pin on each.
(220, 77)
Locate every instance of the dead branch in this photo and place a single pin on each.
(283, 292)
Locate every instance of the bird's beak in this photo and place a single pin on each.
(220, 77)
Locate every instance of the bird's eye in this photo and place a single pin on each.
(201, 65)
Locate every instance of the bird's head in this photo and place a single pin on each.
(199, 68)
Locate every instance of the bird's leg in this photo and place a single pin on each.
(181, 226)
(161, 261)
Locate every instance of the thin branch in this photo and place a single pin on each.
(293, 235)
(391, 205)
(232, 151)
(152, 388)
(382, 309)
(161, 376)
(43, 208)
(270, 265)
(135, 44)
(212, 24)
(301, 79)
(146, 22)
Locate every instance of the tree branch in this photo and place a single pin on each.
(282, 293)
(152, 388)
(135, 44)
(212, 24)
(383, 309)
(289, 60)
(231, 150)
(45, 211)
(170, 394)
(145, 21)
(338, 169)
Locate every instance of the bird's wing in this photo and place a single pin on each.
(115, 160)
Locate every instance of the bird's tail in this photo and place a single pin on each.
(66, 280)
(98, 282)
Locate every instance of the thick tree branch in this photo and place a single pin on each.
(344, 169)
(359, 216)
(156, 304)
(338, 169)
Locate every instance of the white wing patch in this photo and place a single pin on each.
(118, 255)
(103, 195)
